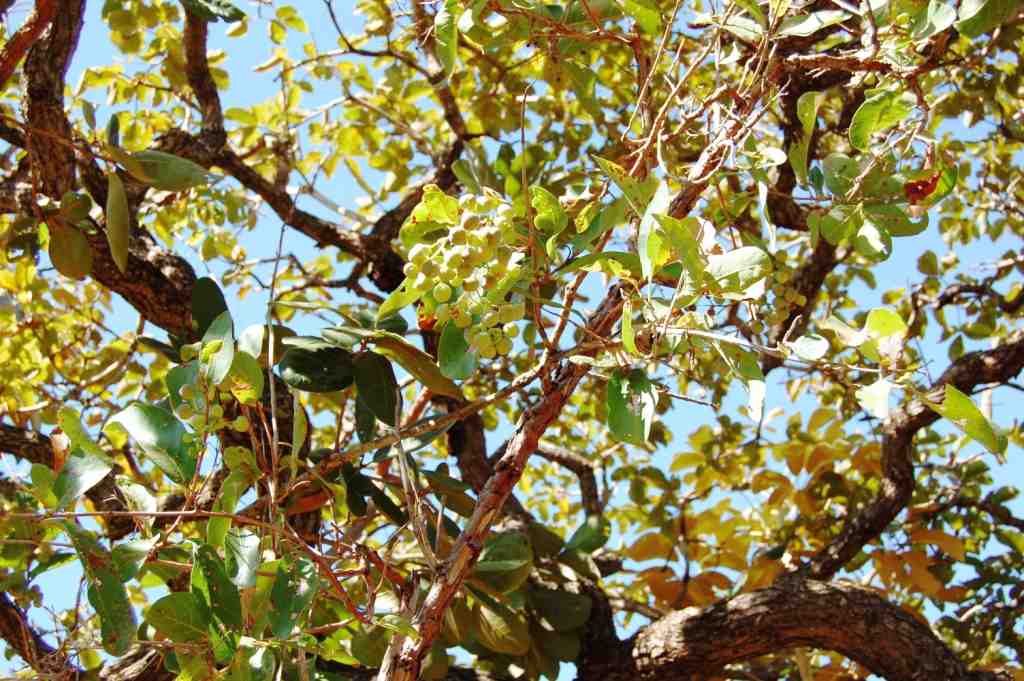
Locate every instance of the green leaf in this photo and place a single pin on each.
(646, 13)
(75, 206)
(315, 366)
(113, 131)
(369, 647)
(874, 398)
(550, 217)
(614, 263)
(807, 112)
(171, 173)
(377, 385)
(682, 235)
(894, 219)
(69, 250)
(128, 557)
(180, 616)
(416, 362)
(590, 536)
(446, 32)
(882, 322)
(809, 347)
(159, 435)
(628, 333)
(456, 360)
(435, 212)
(109, 599)
(255, 340)
(872, 241)
(291, 594)
(938, 17)
(217, 367)
(71, 424)
(630, 399)
(649, 244)
(245, 378)
(450, 490)
(502, 630)
(809, 24)
(214, 10)
(637, 193)
(563, 610)
(399, 298)
(81, 472)
(210, 579)
(840, 173)
(983, 16)
(366, 421)
(965, 415)
(242, 557)
(881, 110)
(207, 304)
(739, 269)
(506, 561)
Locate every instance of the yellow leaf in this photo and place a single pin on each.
(948, 543)
(920, 577)
(650, 546)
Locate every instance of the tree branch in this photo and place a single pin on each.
(845, 618)
(25, 37)
(997, 365)
(29, 645)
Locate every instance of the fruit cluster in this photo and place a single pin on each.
(468, 272)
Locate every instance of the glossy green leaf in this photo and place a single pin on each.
(446, 31)
(807, 106)
(245, 378)
(377, 385)
(881, 110)
(590, 536)
(416, 362)
(218, 365)
(207, 304)
(81, 472)
(118, 221)
(874, 398)
(109, 598)
(638, 193)
(214, 10)
(69, 250)
(650, 244)
(210, 580)
(983, 16)
(808, 24)
(180, 616)
(501, 629)
(562, 609)
(455, 358)
(630, 401)
(315, 366)
(506, 561)
(647, 15)
(159, 436)
(962, 412)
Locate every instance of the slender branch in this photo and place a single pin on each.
(25, 37)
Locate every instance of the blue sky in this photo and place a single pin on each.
(248, 88)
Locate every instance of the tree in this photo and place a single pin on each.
(595, 372)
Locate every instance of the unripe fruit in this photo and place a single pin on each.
(442, 313)
(462, 321)
(510, 330)
(421, 281)
(504, 346)
(489, 319)
(410, 269)
(216, 411)
(488, 352)
(458, 236)
(511, 312)
(442, 292)
(241, 424)
(419, 253)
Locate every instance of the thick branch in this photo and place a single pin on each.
(848, 619)
(35, 447)
(25, 37)
(29, 645)
(997, 365)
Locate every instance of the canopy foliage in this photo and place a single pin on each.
(618, 338)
